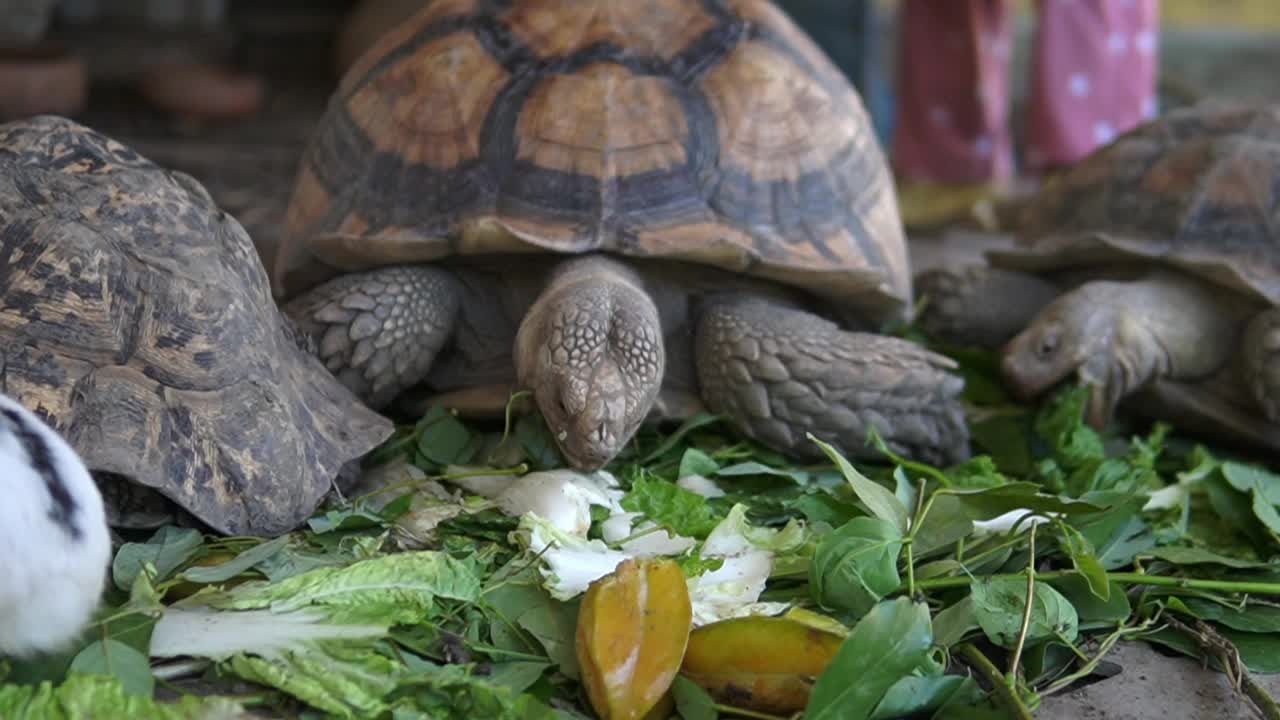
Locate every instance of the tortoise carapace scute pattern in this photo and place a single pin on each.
(713, 132)
(1198, 188)
(137, 318)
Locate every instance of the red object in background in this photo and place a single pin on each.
(203, 91)
(41, 79)
(1094, 66)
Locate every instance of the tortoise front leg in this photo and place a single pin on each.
(1261, 355)
(379, 330)
(780, 373)
(980, 305)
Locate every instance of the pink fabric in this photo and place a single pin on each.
(1093, 77)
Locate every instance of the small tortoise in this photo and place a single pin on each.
(1151, 267)
(137, 319)
(599, 200)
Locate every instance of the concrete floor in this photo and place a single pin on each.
(1152, 686)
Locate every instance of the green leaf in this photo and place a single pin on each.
(523, 603)
(671, 441)
(315, 635)
(903, 489)
(1183, 555)
(111, 657)
(1252, 618)
(671, 506)
(167, 550)
(976, 473)
(743, 469)
(692, 702)
(451, 692)
(856, 566)
(1060, 422)
(1264, 510)
(946, 523)
(399, 585)
(1236, 509)
(346, 681)
(443, 439)
(1085, 561)
(1118, 534)
(696, 462)
(536, 441)
(239, 564)
(356, 517)
(879, 500)
(1006, 439)
(999, 603)
(954, 622)
(919, 696)
(819, 507)
(1089, 607)
(890, 642)
(516, 676)
(1247, 478)
(1260, 652)
(93, 696)
(987, 503)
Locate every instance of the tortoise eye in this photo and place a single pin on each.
(1048, 346)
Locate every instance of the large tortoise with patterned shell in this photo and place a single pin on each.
(634, 209)
(1150, 271)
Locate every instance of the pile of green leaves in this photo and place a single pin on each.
(409, 603)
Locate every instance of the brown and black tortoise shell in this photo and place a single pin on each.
(1198, 188)
(712, 131)
(137, 318)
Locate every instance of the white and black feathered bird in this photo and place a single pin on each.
(54, 540)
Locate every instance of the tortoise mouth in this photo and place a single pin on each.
(587, 456)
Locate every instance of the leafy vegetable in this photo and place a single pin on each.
(673, 507)
(455, 583)
(890, 642)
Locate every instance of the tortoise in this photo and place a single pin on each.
(137, 319)
(598, 201)
(1150, 270)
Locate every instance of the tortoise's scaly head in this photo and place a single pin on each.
(596, 368)
(1068, 335)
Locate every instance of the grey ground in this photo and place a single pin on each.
(1153, 686)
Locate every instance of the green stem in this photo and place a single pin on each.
(500, 652)
(636, 535)
(1013, 541)
(921, 509)
(1026, 613)
(1261, 698)
(1124, 578)
(743, 712)
(1092, 663)
(1007, 696)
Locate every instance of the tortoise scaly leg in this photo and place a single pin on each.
(1261, 355)
(979, 305)
(591, 350)
(379, 330)
(780, 373)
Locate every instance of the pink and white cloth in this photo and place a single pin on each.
(1093, 76)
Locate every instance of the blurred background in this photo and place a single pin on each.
(227, 89)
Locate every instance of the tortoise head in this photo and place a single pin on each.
(591, 350)
(1065, 337)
